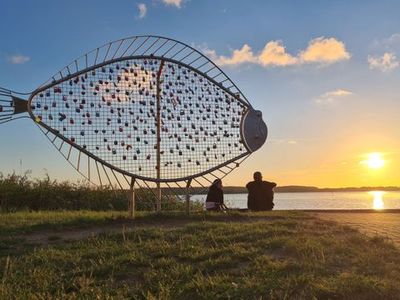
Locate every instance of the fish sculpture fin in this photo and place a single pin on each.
(20, 105)
(10, 106)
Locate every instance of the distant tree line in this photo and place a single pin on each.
(298, 189)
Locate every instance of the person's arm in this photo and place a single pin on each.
(221, 197)
(270, 184)
(210, 195)
(248, 186)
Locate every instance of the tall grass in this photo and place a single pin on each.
(20, 192)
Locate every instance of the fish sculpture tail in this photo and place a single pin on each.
(11, 106)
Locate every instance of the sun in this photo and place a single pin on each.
(374, 161)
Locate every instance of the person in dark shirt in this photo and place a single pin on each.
(215, 196)
(261, 194)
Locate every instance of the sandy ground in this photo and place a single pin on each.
(386, 224)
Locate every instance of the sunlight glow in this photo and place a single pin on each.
(377, 199)
(374, 161)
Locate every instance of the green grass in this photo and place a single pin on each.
(276, 255)
(24, 221)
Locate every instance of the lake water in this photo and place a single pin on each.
(321, 200)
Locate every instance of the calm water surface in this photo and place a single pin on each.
(324, 200)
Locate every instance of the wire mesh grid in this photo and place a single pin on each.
(200, 123)
(109, 111)
(150, 46)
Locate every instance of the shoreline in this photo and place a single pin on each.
(366, 210)
(236, 190)
(339, 211)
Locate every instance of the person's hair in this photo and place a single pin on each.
(257, 175)
(217, 181)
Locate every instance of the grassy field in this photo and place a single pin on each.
(275, 255)
(25, 222)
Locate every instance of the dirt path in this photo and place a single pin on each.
(46, 237)
(372, 223)
(50, 237)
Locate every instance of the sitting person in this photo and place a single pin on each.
(215, 197)
(261, 194)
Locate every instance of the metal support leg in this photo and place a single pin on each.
(187, 196)
(159, 196)
(158, 123)
(131, 199)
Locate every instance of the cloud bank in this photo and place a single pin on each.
(320, 50)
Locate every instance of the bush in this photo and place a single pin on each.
(22, 193)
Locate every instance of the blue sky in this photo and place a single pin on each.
(324, 113)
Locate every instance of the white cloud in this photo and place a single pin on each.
(390, 44)
(19, 59)
(243, 55)
(319, 51)
(324, 50)
(331, 96)
(387, 62)
(274, 54)
(392, 41)
(142, 9)
(386, 52)
(339, 93)
(176, 3)
(285, 141)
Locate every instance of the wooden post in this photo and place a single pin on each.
(158, 122)
(131, 199)
(187, 196)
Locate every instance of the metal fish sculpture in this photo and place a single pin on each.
(144, 109)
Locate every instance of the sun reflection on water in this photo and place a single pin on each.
(377, 199)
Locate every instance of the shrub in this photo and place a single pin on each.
(20, 192)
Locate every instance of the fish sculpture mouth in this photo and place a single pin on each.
(254, 130)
